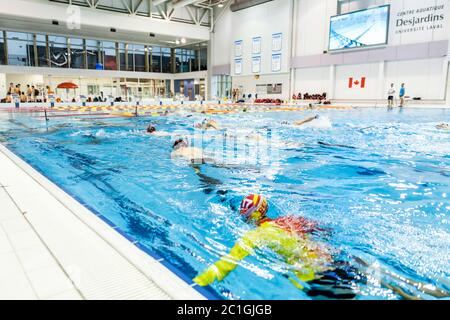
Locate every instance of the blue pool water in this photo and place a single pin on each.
(383, 193)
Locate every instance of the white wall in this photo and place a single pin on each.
(3, 85)
(423, 78)
(314, 16)
(24, 79)
(222, 43)
(372, 86)
(448, 85)
(313, 20)
(312, 80)
(263, 21)
(247, 85)
(425, 35)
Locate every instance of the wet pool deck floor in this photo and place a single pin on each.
(52, 247)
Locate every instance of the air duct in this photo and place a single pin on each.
(244, 4)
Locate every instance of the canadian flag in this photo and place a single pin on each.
(357, 83)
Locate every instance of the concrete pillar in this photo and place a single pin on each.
(445, 80)
(293, 47)
(447, 87)
(3, 85)
(172, 86)
(5, 47)
(332, 82)
(208, 87)
(381, 81)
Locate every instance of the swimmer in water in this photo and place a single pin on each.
(313, 266)
(152, 130)
(307, 120)
(208, 124)
(181, 149)
(443, 126)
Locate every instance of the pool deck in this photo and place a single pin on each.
(52, 247)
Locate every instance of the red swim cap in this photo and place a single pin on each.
(254, 207)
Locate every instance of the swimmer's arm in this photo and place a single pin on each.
(219, 270)
(299, 123)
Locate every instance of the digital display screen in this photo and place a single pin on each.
(359, 29)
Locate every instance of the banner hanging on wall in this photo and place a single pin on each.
(256, 64)
(256, 45)
(276, 62)
(238, 66)
(415, 21)
(421, 16)
(238, 48)
(277, 40)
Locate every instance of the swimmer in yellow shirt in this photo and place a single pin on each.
(313, 266)
(287, 236)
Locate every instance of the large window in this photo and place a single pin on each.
(166, 60)
(93, 52)
(203, 59)
(192, 60)
(156, 59)
(77, 53)
(20, 48)
(136, 57)
(221, 86)
(28, 49)
(109, 55)
(184, 60)
(59, 57)
(122, 56)
(41, 49)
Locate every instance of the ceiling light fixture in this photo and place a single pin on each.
(183, 40)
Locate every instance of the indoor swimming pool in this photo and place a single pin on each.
(376, 180)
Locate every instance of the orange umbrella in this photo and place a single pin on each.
(67, 86)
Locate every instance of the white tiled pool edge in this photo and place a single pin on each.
(52, 247)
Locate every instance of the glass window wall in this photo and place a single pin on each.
(59, 57)
(20, 48)
(28, 49)
(77, 53)
(109, 55)
(93, 55)
(41, 49)
(156, 59)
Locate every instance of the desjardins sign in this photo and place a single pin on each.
(422, 19)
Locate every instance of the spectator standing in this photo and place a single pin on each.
(391, 94)
(402, 95)
(17, 90)
(11, 89)
(29, 93)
